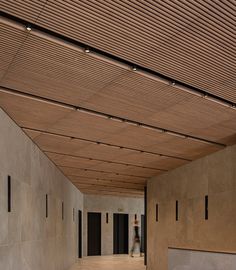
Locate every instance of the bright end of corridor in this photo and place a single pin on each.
(118, 262)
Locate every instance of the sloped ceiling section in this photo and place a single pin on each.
(107, 126)
(191, 41)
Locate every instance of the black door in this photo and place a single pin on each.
(94, 234)
(80, 234)
(142, 232)
(121, 233)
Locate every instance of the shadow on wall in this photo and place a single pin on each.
(182, 259)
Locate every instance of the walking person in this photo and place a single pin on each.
(136, 240)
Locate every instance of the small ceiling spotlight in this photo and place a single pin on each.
(87, 50)
(28, 28)
(173, 83)
(134, 68)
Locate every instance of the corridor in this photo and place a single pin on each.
(117, 134)
(117, 262)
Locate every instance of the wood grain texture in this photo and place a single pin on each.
(150, 33)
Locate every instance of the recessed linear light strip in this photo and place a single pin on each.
(37, 30)
(106, 172)
(105, 161)
(80, 183)
(102, 185)
(107, 116)
(143, 180)
(109, 191)
(86, 178)
(104, 144)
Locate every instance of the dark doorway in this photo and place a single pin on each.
(142, 232)
(94, 234)
(121, 233)
(80, 234)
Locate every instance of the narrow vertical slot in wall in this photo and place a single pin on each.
(9, 193)
(176, 210)
(73, 215)
(107, 218)
(135, 216)
(206, 207)
(62, 210)
(46, 205)
(157, 213)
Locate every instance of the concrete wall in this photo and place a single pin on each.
(215, 176)
(179, 259)
(110, 205)
(29, 240)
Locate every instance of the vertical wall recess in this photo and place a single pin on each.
(176, 210)
(73, 214)
(9, 193)
(206, 207)
(157, 210)
(135, 216)
(145, 225)
(46, 205)
(107, 218)
(62, 210)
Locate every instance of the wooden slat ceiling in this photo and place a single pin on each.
(191, 41)
(109, 128)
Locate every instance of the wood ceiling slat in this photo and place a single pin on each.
(42, 114)
(27, 9)
(108, 186)
(105, 188)
(101, 175)
(11, 40)
(67, 146)
(201, 54)
(31, 113)
(110, 193)
(28, 113)
(172, 62)
(76, 180)
(163, 106)
(76, 162)
(68, 161)
(193, 42)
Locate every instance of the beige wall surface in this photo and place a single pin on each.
(110, 205)
(180, 259)
(29, 240)
(213, 175)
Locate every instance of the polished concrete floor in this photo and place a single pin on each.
(118, 262)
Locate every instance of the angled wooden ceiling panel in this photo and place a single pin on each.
(82, 180)
(11, 41)
(102, 192)
(201, 54)
(98, 153)
(27, 9)
(70, 161)
(102, 175)
(107, 188)
(46, 68)
(36, 114)
(55, 68)
(42, 114)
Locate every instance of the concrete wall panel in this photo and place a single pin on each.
(213, 175)
(29, 240)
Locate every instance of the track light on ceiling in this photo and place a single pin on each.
(173, 83)
(87, 50)
(28, 28)
(134, 68)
